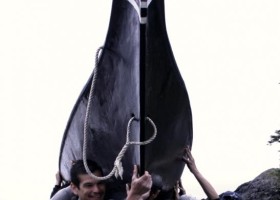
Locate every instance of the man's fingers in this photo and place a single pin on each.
(146, 178)
(135, 172)
(127, 188)
(186, 160)
(189, 154)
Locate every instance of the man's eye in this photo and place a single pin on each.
(88, 185)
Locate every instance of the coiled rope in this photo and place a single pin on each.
(117, 169)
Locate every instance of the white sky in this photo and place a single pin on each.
(228, 53)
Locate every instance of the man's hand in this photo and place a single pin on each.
(206, 186)
(189, 160)
(58, 178)
(140, 186)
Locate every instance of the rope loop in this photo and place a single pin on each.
(118, 169)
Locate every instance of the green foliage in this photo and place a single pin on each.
(275, 138)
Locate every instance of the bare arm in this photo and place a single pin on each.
(206, 186)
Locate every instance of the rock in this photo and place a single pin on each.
(266, 186)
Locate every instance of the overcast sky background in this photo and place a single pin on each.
(228, 53)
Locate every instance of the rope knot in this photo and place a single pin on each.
(119, 169)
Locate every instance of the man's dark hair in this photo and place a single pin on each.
(78, 168)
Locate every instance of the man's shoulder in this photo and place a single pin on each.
(64, 194)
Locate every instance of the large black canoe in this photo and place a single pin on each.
(137, 76)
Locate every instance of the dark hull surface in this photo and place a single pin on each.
(137, 76)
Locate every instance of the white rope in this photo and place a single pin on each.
(95, 71)
(117, 169)
(118, 164)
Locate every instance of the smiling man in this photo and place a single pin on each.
(83, 185)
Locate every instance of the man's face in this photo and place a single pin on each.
(90, 189)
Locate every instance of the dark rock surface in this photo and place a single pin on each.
(266, 186)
